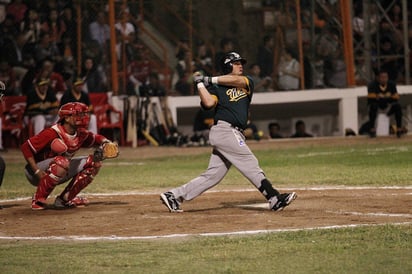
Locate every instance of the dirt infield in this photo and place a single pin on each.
(219, 211)
(213, 212)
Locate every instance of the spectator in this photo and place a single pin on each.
(274, 130)
(335, 71)
(31, 26)
(152, 87)
(139, 70)
(181, 78)
(204, 120)
(46, 49)
(384, 97)
(300, 130)
(288, 71)
(76, 94)
(265, 56)
(53, 26)
(203, 60)
(262, 84)
(55, 78)
(93, 77)
(8, 77)
(389, 60)
(226, 46)
(41, 106)
(18, 9)
(128, 35)
(251, 132)
(100, 30)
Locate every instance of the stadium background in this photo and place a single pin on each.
(154, 43)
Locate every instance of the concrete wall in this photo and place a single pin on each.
(326, 112)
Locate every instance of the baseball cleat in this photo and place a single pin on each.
(278, 203)
(75, 202)
(37, 205)
(170, 201)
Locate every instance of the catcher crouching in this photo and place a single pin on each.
(51, 162)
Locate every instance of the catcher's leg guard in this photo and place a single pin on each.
(57, 170)
(81, 180)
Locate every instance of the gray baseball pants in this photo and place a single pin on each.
(229, 148)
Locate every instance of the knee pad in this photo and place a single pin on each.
(58, 167)
(91, 167)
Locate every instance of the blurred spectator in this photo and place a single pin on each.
(262, 84)
(265, 56)
(8, 77)
(76, 94)
(7, 28)
(45, 49)
(56, 81)
(68, 53)
(41, 106)
(251, 132)
(100, 30)
(53, 26)
(300, 130)
(31, 26)
(139, 70)
(226, 46)
(18, 9)
(288, 71)
(152, 87)
(127, 36)
(335, 71)
(384, 97)
(274, 130)
(14, 48)
(389, 60)
(93, 77)
(203, 60)
(181, 78)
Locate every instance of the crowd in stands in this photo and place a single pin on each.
(39, 39)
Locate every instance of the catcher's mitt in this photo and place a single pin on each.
(106, 151)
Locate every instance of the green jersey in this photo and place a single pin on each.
(233, 103)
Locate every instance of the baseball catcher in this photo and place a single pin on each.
(51, 160)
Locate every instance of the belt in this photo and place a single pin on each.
(221, 122)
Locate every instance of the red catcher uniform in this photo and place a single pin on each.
(53, 151)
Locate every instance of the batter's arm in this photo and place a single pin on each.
(231, 80)
(208, 100)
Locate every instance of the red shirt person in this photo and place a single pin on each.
(51, 160)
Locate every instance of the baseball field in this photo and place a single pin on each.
(353, 213)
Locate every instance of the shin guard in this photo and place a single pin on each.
(57, 170)
(81, 180)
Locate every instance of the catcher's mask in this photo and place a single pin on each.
(227, 61)
(78, 110)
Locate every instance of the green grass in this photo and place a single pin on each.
(379, 249)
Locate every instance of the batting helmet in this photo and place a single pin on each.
(227, 61)
(79, 110)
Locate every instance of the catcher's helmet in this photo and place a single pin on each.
(79, 110)
(227, 61)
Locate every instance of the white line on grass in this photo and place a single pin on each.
(218, 234)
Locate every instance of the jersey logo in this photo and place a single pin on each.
(235, 94)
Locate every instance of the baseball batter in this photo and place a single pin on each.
(230, 95)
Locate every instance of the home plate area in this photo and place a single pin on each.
(221, 211)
